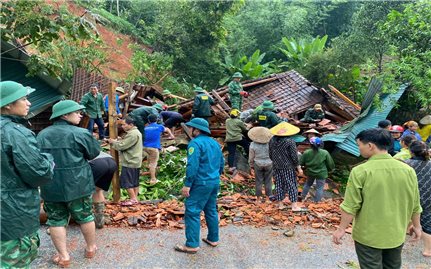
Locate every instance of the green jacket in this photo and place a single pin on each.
(71, 147)
(235, 87)
(94, 106)
(317, 164)
(234, 129)
(130, 148)
(267, 118)
(202, 105)
(140, 115)
(312, 115)
(23, 169)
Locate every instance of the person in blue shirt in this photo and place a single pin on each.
(205, 164)
(411, 129)
(118, 97)
(152, 146)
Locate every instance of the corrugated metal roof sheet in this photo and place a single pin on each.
(368, 119)
(44, 95)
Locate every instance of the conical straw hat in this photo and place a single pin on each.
(284, 129)
(312, 131)
(425, 120)
(260, 135)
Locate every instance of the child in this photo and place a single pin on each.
(259, 159)
(317, 163)
(404, 153)
(396, 132)
(130, 148)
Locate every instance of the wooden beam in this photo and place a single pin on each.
(179, 97)
(113, 133)
(221, 101)
(345, 98)
(222, 111)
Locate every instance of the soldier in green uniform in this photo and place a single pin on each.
(168, 99)
(94, 107)
(23, 169)
(202, 104)
(266, 117)
(70, 192)
(314, 114)
(235, 89)
(140, 116)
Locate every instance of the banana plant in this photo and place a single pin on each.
(298, 52)
(250, 67)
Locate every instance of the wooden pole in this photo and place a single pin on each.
(345, 98)
(113, 133)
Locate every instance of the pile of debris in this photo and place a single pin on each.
(292, 96)
(237, 209)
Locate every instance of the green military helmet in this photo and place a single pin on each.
(237, 75)
(267, 105)
(199, 124)
(10, 91)
(65, 107)
(158, 107)
(198, 89)
(166, 92)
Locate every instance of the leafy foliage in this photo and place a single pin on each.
(150, 68)
(298, 52)
(409, 33)
(64, 42)
(171, 174)
(250, 68)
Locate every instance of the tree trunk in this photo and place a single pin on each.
(118, 8)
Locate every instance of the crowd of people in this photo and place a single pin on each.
(65, 166)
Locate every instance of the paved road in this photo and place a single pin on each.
(240, 247)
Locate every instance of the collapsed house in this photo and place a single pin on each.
(291, 94)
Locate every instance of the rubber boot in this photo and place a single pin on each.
(99, 217)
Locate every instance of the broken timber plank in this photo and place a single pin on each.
(345, 98)
(221, 101)
(222, 110)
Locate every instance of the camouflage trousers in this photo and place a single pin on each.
(19, 253)
(79, 209)
(236, 102)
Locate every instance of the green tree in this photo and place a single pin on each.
(298, 52)
(63, 42)
(409, 32)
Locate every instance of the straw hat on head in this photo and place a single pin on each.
(260, 135)
(284, 129)
(312, 131)
(425, 120)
